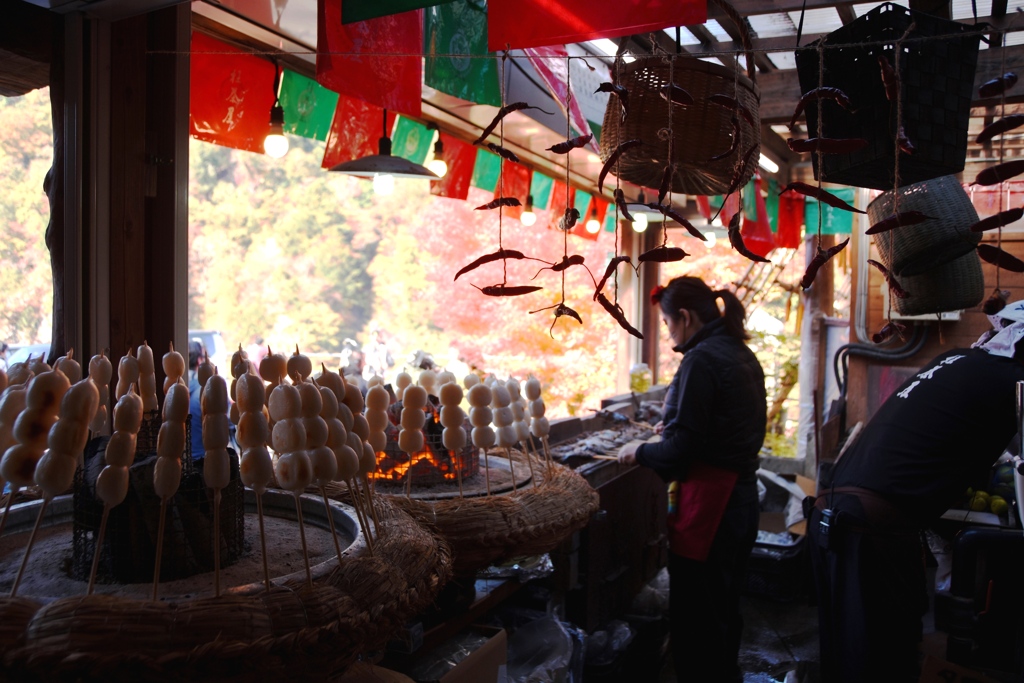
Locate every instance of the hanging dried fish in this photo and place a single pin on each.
(620, 201)
(821, 195)
(827, 145)
(564, 264)
(736, 240)
(616, 312)
(666, 182)
(502, 113)
(1003, 125)
(733, 142)
(735, 105)
(894, 286)
(888, 330)
(612, 265)
(620, 92)
(613, 158)
(508, 290)
(675, 94)
(563, 310)
(502, 152)
(889, 79)
(997, 85)
(993, 175)
(662, 254)
(500, 201)
(999, 220)
(499, 255)
(821, 93)
(898, 220)
(570, 144)
(820, 259)
(678, 218)
(1000, 258)
(568, 221)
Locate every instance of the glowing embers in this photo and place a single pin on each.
(431, 466)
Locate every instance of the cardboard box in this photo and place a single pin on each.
(482, 664)
(792, 517)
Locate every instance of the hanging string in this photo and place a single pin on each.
(501, 173)
(568, 187)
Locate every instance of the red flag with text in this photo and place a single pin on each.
(461, 158)
(531, 23)
(355, 131)
(379, 60)
(231, 94)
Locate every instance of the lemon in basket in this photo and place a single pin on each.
(980, 501)
(998, 505)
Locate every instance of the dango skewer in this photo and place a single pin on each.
(453, 437)
(216, 462)
(293, 468)
(480, 416)
(256, 468)
(505, 434)
(170, 445)
(12, 404)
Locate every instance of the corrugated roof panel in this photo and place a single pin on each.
(772, 25)
(824, 20)
(783, 60)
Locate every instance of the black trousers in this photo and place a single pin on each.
(871, 596)
(704, 597)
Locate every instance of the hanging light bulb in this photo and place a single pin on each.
(438, 164)
(528, 217)
(712, 238)
(276, 144)
(640, 224)
(383, 184)
(593, 226)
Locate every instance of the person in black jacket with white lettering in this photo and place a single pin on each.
(938, 432)
(714, 426)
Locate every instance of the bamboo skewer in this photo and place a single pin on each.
(487, 471)
(263, 540)
(7, 508)
(159, 545)
(370, 503)
(529, 461)
(330, 521)
(457, 459)
(99, 547)
(28, 548)
(302, 536)
(216, 543)
(361, 514)
(511, 467)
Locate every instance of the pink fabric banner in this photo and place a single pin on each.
(553, 67)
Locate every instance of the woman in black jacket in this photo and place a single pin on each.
(714, 425)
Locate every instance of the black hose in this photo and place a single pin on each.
(908, 350)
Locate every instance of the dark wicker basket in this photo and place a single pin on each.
(699, 131)
(955, 286)
(937, 79)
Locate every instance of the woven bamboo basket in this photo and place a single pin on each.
(688, 136)
(487, 530)
(955, 286)
(294, 632)
(914, 249)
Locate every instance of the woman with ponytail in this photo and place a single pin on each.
(713, 427)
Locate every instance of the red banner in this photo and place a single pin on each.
(757, 234)
(791, 220)
(355, 131)
(531, 23)
(561, 197)
(704, 206)
(731, 205)
(231, 94)
(553, 68)
(379, 60)
(581, 227)
(514, 182)
(461, 158)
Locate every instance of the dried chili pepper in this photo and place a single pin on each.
(503, 152)
(568, 221)
(997, 85)
(732, 143)
(561, 310)
(678, 218)
(894, 286)
(827, 145)
(502, 113)
(1003, 125)
(620, 92)
(612, 265)
(620, 201)
(736, 240)
(1000, 258)
(616, 312)
(508, 290)
(673, 93)
(564, 264)
(735, 105)
(662, 254)
(903, 142)
(822, 93)
(570, 144)
(613, 158)
(888, 330)
(821, 195)
(820, 258)
(996, 302)
(898, 220)
(499, 255)
(666, 182)
(993, 175)
(889, 79)
(500, 201)
(999, 220)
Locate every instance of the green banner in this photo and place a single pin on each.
(540, 190)
(486, 170)
(411, 140)
(833, 221)
(361, 10)
(749, 201)
(582, 203)
(457, 61)
(772, 204)
(308, 106)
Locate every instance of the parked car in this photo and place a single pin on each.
(216, 349)
(23, 353)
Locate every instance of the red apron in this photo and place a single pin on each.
(700, 503)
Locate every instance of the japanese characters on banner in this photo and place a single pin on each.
(379, 60)
(535, 23)
(461, 159)
(231, 94)
(355, 132)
